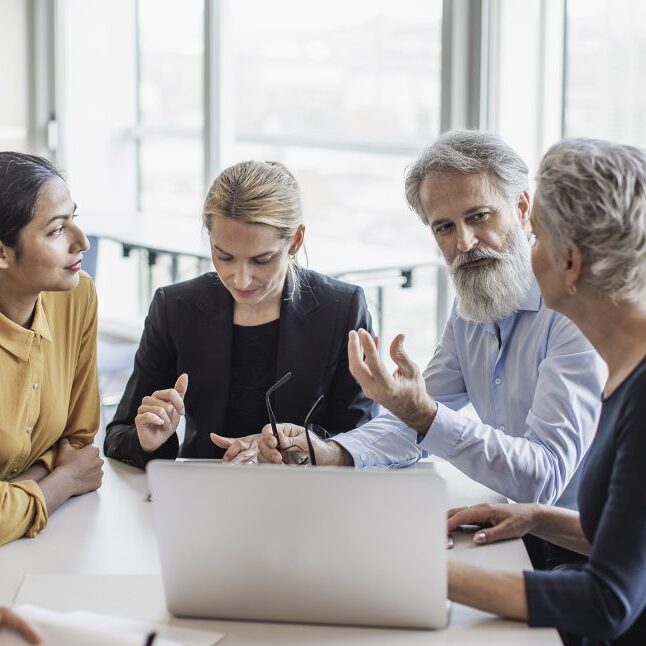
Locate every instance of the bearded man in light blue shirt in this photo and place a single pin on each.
(531, 376)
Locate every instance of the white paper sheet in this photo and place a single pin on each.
(83, 628)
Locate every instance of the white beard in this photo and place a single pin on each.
(494, 292)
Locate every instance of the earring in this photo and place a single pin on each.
(571, 290)
(291, 256)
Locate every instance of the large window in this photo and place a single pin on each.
(170, 40)
(345, 94)
(14, 85)
(606, 64)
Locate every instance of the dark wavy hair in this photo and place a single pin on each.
(22, 177)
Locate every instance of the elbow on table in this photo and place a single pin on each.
(9, 533)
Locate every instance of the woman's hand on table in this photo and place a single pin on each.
(159, 414)
(497, 522)
(83, 467)
(239, 450)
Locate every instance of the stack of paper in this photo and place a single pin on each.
(85, 628)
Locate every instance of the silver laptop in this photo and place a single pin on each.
(316, 545)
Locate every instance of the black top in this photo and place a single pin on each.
(605, 599)
(189, 328)
(253, 373)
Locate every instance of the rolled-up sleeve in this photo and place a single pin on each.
(22, 510)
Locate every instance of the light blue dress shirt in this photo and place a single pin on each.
(538, 396)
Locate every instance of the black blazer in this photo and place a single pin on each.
(189, 329)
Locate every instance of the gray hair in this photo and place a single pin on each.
(468, 152)
(593, 197)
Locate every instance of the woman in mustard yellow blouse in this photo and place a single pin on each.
(49, 402)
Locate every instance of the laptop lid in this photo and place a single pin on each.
(283, 543)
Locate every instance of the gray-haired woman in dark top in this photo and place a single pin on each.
(589, 218)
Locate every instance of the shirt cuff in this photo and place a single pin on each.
(39, 509)
(444, 434)
(365, 457)
(48, 459)
(354, 447)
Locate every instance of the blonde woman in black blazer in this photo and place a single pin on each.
(212, 346)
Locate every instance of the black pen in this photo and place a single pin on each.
(150, 639)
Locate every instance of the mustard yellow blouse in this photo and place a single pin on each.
(49, 389)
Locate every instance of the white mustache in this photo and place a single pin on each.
(473, 255)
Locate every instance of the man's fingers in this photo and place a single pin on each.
(403, 362)
(267, 447)
(358, 368)
(181, 385)
(267, 436)
(372, 358)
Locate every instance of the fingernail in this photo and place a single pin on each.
(480, 537)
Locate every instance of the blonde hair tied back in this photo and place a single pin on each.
(257, 192)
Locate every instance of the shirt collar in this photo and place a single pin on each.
(17, 339)
(532, 302)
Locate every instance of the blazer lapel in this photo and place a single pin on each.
(208, 339)
(303, 349)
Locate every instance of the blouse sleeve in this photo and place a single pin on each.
(83, 416)
(84, 404)
(22, 510)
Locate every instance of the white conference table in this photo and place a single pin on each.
(109, 532)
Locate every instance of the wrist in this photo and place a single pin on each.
(335, 455)
(65, 475)
(422, 415)
(538, 518)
